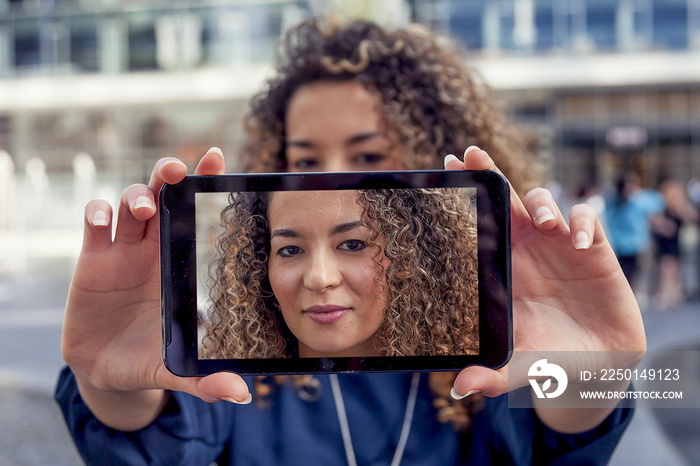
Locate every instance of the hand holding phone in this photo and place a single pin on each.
(111, 328)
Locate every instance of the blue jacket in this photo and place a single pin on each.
(292, 431)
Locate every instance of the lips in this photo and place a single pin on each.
(327, 314)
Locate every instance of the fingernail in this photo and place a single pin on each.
(216, 150)
(171, 161)
(582, 240)
(143, 202)
(248, 399)
(543, 214)
(450, 158)
(469, 149)
(457, 396)
(99, 219)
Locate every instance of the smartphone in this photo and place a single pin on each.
(335, 272)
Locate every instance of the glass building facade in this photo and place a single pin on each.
(544, 26)
(130, 81)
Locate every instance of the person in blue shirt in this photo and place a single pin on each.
(628, 213)
(352, 97)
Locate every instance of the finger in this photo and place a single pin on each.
(221, 386)
(453, 163)
(586, 228)
(167, 170)
(225, 386)
(474, 159)
(478, 159)
(98, 225)
(212, 163)
(479, 379)
(544, 212)
(136, 207)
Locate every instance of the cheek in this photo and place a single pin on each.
(397, 160)
(370, 278)
(282, 283)
(374, 291)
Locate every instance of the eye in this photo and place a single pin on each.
(289, 251)
(305, 164)
(370, 158)
(352, 245)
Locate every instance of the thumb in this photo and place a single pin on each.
(515, 374)
(221, 386)
(480, 379)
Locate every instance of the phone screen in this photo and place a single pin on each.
(336, 272)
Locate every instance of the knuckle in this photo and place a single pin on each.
(581, 212)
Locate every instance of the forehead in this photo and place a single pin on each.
(288, 208)
(323, 106)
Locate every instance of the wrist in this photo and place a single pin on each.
(122, 409)
(574, 414)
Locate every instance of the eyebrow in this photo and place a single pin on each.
(285, 233)
(352, 140)
(340, 228)
(345, 227)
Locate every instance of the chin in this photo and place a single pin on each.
(333, 351)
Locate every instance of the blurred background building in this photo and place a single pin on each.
(602, 84)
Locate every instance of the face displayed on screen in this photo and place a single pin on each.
(326, 277)
(344, 273)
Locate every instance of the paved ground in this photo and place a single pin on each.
(32, 431)
(668, 436)
(31, 426)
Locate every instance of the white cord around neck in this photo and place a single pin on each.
(345, 427)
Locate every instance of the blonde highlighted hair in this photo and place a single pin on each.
(432, 104)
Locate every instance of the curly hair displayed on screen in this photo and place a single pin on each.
(424, 246)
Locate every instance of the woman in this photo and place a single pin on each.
(666, 229)
(399, 100)
(569, 291)
(369, 269)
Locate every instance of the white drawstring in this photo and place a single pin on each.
(345, 426)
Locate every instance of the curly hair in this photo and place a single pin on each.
(433, 289)
(429, 99)
(431, 102)
(432, 305)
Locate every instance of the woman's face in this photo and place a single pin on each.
(322, 273)
(336, 126)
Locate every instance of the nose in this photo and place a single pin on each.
(335, 161)
(323, 273)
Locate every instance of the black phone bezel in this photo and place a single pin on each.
(179, 287)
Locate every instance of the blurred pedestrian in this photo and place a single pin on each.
(591, 194)
(627, 216)
(691, 239)
(666, 228)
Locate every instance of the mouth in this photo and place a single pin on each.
(327, 314)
